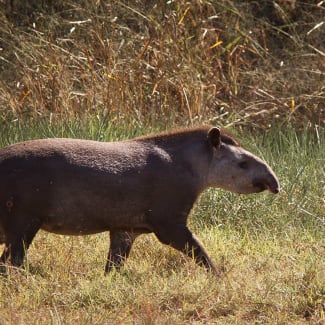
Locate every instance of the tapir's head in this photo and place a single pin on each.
(234, 169)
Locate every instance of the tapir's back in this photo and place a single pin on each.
(94, 154)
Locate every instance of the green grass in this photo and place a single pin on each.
(271, 247)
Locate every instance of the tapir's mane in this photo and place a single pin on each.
(198, 131)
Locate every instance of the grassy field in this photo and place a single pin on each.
(271, 247)
(111, 70)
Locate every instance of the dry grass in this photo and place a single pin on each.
(224, 62)
(268, 281)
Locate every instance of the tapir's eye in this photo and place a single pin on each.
(243, 165)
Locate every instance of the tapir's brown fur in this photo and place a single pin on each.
(147, 184)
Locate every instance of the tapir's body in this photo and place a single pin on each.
(147, 184)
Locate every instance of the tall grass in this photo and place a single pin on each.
(228, 62)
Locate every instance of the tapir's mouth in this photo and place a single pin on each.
(275, 190)
(262, 187)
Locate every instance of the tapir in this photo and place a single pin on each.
(147, 184)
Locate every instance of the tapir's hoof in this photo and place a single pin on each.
(3, 271)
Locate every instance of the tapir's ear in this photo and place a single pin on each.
(214, 137)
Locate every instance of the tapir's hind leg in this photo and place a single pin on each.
(19, 236)
(120, 247)
(5, 254)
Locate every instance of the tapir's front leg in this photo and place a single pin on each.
(120, 247)
(180, 237)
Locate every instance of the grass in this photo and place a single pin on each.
(272, 248)
(110, 70)
(244, 63)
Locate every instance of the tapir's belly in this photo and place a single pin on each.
(90, 212)
(87, 226)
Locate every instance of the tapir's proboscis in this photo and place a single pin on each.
(143, 185)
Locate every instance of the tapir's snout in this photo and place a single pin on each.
(274, 190)
(273, 184)
(270, 183)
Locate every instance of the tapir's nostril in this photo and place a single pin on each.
(275, 187)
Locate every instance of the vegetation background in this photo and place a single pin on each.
(110, 70)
